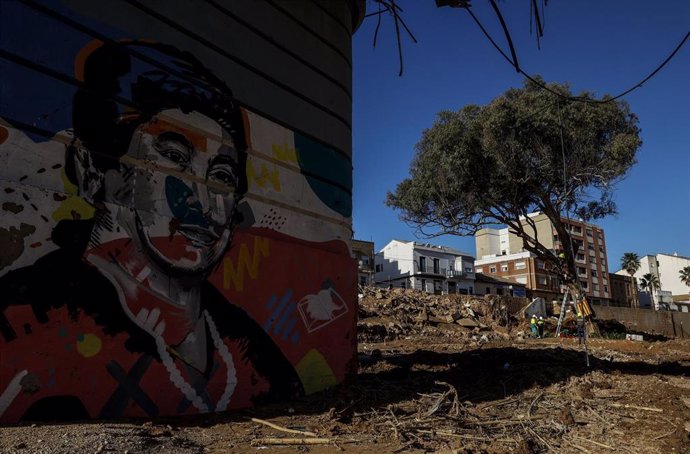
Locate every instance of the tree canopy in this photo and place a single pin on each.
(525, 151)
(630, 262)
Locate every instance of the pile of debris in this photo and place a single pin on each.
(386, 315)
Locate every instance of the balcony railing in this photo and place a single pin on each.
(439, 271)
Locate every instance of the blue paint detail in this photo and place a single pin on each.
(276, 313)
(286, 314)
(281, 323)
(177, 193)
(330, 165)
(289, 327)
(271, 302)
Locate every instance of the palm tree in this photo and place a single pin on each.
(630, 262)
(685, 276)
(650, 282)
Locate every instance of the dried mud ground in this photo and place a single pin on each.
(436, 393)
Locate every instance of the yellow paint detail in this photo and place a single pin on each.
(264, 177)
(315, 373)
(247, 263)
(284, 153)
(70, 188)
(73, 203)
(89, 346)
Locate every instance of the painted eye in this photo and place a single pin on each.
(174, 147)
(175, 156)
(222, 174)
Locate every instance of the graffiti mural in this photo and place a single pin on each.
(167, 251)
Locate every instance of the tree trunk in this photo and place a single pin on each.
(636, 293)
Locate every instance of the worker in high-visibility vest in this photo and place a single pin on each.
(580, 324)
(540, 326)
(533, 325)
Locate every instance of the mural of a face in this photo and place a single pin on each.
(179, 186)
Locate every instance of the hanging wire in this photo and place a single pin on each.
(514, 62)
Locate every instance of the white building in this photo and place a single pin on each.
(666, 267)
(433, 269)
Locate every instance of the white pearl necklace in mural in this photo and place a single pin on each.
(180, 383)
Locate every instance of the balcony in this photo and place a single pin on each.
(438, 271)
(430, 269)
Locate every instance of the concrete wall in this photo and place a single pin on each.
(176, 194)
(665, 323)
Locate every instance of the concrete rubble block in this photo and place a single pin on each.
(467, 323)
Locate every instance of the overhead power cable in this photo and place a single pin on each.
(514, 61)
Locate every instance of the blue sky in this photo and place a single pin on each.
(604, 46)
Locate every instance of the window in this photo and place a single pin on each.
(492, 269)
(468, 269)
(422, 264)
(541, 280)
(601, 249)
(478, 270)
(521, 279)
(593, 273)
(589, 232)
(488, 291)
(541, 265)
(424, 285)
(590, 246)
(581, 257)
(504, 267)
(436, 266)
(362, 281)
(584, 284)
(499, 291)
(606, 288)
(365, 259)
(520, 265)
(577, 229)
(581, 271)
(595, 287)
(379, 268)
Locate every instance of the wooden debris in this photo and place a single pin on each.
(284, 429)
(273, 441)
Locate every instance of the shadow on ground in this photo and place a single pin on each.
(479, 375)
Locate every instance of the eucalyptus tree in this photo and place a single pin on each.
(527, 150)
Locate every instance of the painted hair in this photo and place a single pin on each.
(109, 80)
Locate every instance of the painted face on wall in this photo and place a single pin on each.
(179, 178)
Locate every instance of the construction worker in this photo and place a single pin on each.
(533, 325)
(580, 324)
(540, 326)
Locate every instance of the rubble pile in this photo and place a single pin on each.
(386, 315)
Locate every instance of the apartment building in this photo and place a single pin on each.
(433, 269)
(500, 252)
(363, 253)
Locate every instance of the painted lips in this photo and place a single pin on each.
(199, 236)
